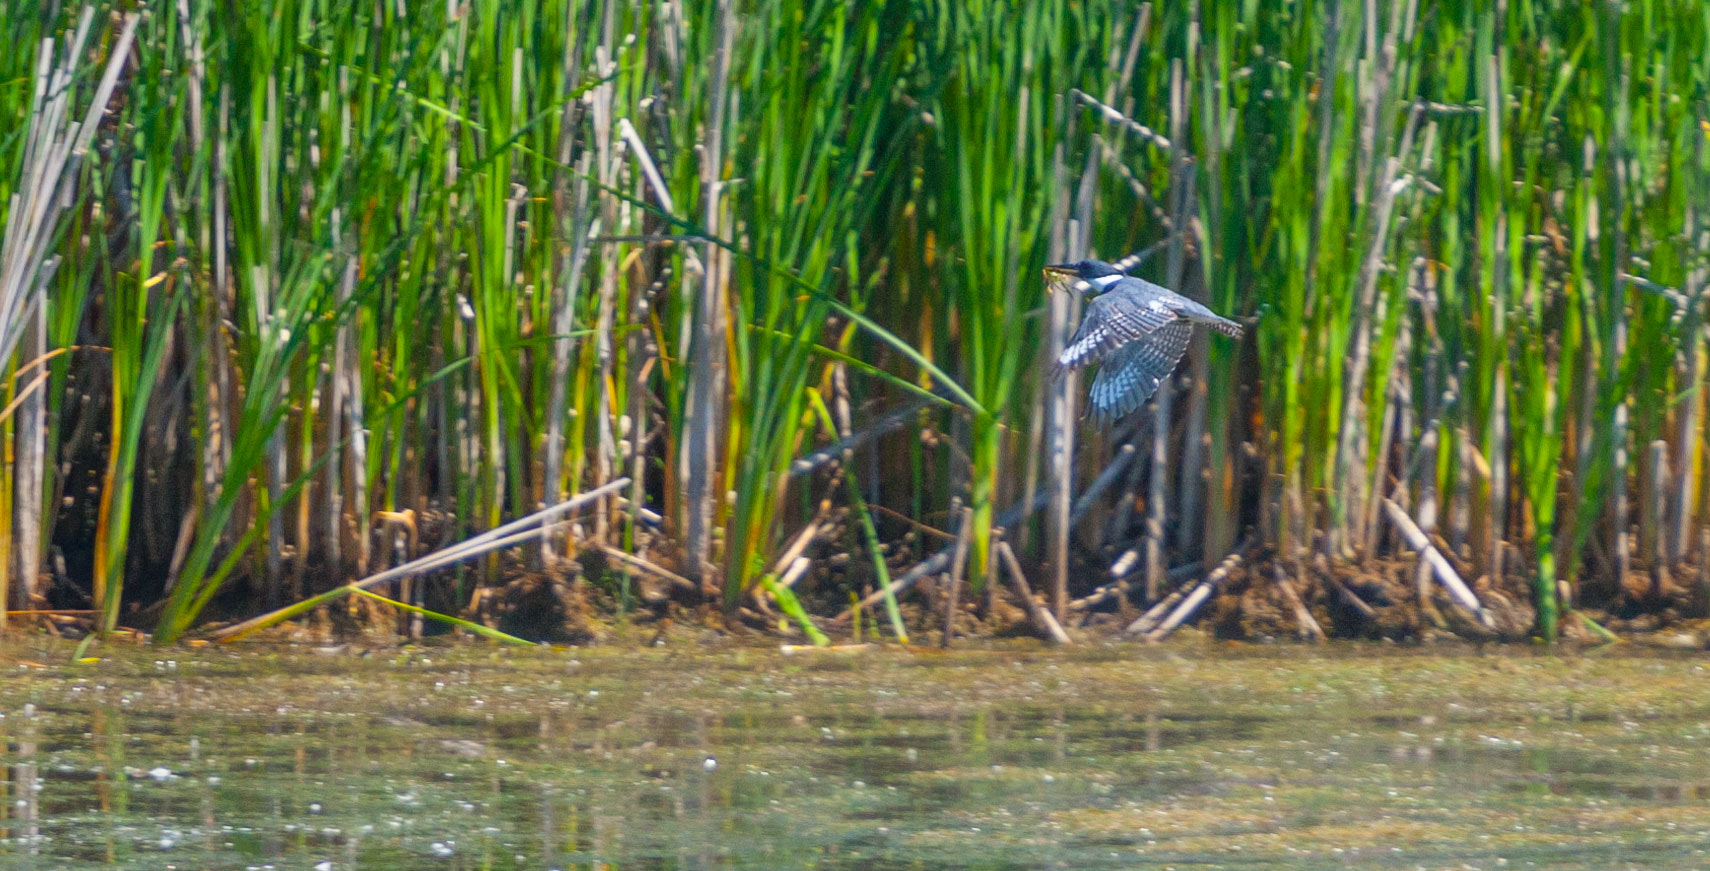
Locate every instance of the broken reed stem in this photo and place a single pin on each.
(1656, 519)
(642, 565)
(1116, 529)
(1040, 615)
(516, 531)
(1309, 627)
(1148, 621)
(1110, 115)
(1124, 456)
(1348, 596)
(1111, 589)
(787, 563)
(1446, 574)
(953, 580)
(936, 563)
(1193, 600)
(1155, 615)
(797, 546)
(794, 573)
(888, 423)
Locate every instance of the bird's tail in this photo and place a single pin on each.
(1228, 327)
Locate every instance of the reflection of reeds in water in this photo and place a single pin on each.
(320, 260)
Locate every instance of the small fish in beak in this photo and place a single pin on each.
(1058, 273)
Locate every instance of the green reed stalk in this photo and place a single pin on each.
(989, 171)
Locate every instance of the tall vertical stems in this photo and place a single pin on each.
(706, 377)
(1181, 187)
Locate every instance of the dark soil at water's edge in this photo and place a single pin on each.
(1381, 601)
(1257, 598)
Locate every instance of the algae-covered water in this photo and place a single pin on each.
(1000, 757)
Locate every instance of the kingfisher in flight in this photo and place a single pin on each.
(1135, 330)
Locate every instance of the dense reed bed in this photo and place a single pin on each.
(295, 291)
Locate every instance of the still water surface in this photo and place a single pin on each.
(995, 757)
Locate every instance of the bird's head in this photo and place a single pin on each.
(1094, 275)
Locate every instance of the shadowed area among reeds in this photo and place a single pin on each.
(294, 292)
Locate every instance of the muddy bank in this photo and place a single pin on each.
(1252, 596)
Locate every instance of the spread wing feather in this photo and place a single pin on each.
(1112, 320)
(1131, 374)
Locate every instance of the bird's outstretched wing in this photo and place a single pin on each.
(1112, 320)
(1131, 374)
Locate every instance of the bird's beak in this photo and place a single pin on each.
(1055, 273)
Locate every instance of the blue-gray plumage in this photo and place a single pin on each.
(1135, 330)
